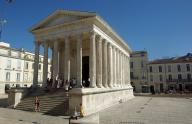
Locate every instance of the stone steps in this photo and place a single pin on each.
(52, 103)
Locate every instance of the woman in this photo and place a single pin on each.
(37, 104)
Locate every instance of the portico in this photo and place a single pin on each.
(74, 35)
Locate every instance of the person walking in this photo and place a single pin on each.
(37, 104)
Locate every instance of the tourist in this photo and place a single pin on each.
(37, 104)
(58, 83)
(48, 83)
(66, 86)
(81, 110)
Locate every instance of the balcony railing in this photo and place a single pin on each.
(179, 80)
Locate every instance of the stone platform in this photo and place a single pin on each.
(97, 99)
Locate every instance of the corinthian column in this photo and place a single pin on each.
(120, 58)
(128, 63)
(123, 70)
(114, 67)
(99, 62)
(55, 62)
(117, 67)
(92, 62)
(79, 61)
(36, 64)
(45, 63)
(105, 66)
(110, 66)
(67, 60)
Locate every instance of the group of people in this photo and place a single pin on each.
(60, 83)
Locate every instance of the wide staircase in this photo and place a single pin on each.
(54, 102)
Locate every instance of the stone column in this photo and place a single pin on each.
(114, 67)
(121, 81)
(67, 60)
(123, 70)
(92, 60)
(105, 64)
(79, 61)
(126, 70)
(52, 63)
(128, 63)
(99, 62)
(117, 67)
(110, 66)
(45, 63)
(55, 62)
(36, 64)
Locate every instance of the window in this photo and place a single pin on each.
(170, 77)
(188, 67)
(18, 64)
(8, 76)
(131, 74)
(151, 77)
(150, 69)
(169, 68)
(188, 77)
(179, 77)
(26, 77)
(160, 68)
(39, 66)
(131, 64)
(18, 77)
(160, 78)
(178, 68)
(8, 63)
(142, 65)
(26, 65)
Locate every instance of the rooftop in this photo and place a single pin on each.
(181, 59)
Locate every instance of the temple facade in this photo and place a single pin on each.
(84, 47)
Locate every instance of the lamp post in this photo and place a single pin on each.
(2, 22)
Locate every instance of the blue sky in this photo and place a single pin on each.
(162, 27)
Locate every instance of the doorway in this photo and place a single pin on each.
(180, 87)
(85, 71)
(152, 89)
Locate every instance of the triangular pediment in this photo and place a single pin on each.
(61, 17)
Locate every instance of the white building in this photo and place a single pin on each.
(138, 68)
(171, 74)
(16, 67)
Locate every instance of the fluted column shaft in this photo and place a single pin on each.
(105, 65)
(55, 62)
(121, 70)
(36, 64)
(110, 66)
(99, 62)
(45, 63)
(114, 67)
(67, 59)
(92, 62)
(79, 61)
(117, 68)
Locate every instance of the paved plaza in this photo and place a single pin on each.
(140, 110)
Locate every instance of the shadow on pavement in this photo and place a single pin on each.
(3, 102)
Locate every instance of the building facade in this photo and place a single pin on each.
(138, 74)
(85, 47)
(171, 74)
(16, 67)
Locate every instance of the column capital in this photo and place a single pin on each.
(99, 38)
(92, 33)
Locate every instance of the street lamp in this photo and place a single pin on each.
(2, 22)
